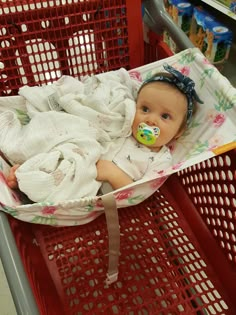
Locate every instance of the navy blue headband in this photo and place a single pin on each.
(183, 83)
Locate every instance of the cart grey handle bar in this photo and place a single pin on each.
(158, 20)
(16, 277)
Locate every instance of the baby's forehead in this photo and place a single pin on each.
(170, 90)
(160, 85)
(170, 97)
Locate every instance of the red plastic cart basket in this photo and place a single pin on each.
(178, 248)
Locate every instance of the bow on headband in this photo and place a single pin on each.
(183, 83)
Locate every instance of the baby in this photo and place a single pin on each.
(164, 108)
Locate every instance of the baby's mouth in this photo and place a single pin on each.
(146, 134)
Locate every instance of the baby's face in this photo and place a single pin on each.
(162, 106)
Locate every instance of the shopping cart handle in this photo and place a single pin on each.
(158, 20)
(14, 270)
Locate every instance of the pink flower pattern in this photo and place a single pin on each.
(219, 120)
(216, 118)
(177, 166)
(162, 173)
(155, 184)
(215, 142)
(206, 61)
(135, 75)
(125, 194)
(185, 70)
(48, 210)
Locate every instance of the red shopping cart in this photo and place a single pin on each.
(178, 248)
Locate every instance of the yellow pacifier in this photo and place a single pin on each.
(146, 134)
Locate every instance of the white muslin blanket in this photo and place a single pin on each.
(70, 125)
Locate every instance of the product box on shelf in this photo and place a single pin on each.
(197, 32)
(170, 42)
(232, 6)
(217, 42)
(208, 34)
(181, 12)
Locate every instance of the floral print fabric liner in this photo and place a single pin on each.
(213, 125)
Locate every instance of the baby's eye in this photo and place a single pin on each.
(145, 109)
(165, 116)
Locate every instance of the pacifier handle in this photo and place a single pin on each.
(146, 134)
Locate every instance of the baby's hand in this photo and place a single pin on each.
(11, 179)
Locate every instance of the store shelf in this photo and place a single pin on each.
(220, 7)
(228, 18)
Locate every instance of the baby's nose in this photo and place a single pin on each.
(151, 122)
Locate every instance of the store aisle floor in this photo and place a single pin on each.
(6, 303)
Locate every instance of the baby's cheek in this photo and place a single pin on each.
(165, 136)
(134, 128)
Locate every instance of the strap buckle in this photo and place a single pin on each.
(111, 278)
